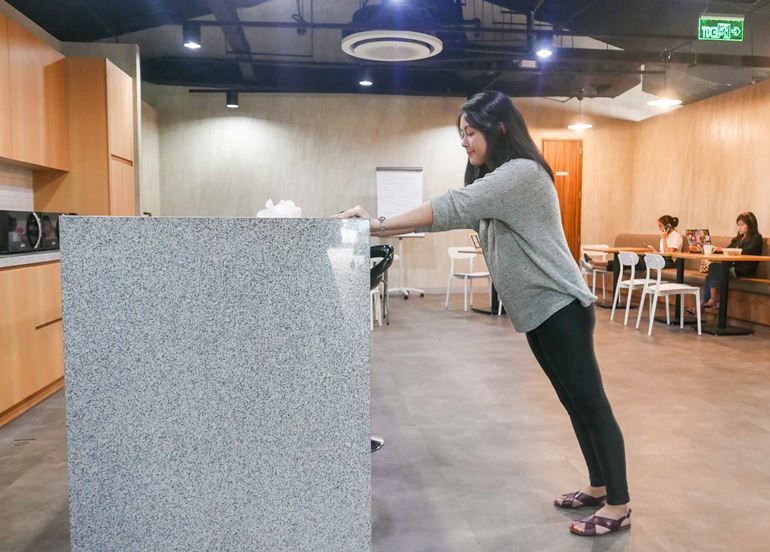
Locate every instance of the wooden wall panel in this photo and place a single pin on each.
(705, 163)
(5, 98)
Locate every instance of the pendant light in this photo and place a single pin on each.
(191, 35)
(581, 125)
(666, 97)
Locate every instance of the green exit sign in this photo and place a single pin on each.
(720, 27)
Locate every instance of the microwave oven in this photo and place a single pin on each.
(28, 231)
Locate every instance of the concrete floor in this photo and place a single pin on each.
(477, 445)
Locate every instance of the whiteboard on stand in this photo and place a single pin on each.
(399, 189)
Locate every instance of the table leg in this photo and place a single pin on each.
(721, 327)
(493, 306)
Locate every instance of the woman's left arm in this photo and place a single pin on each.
(404, 223)
(754, 247)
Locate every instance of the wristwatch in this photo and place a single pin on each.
(382, 223)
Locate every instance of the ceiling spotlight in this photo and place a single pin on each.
(191, 35)
(232, 99)
(544, 52)
(365, 77)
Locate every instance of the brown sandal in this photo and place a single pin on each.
(592, 522)
(586, 501)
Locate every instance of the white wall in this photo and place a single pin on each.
(149, 178)
(321, 151)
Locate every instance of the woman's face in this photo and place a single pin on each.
(473, 142)
(743, 229)
(661, 227)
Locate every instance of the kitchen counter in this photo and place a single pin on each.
(217, 383)
(22, 259)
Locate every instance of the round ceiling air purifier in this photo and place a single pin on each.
(391, 45)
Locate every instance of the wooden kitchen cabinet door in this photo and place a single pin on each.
(5, 98)
(122, 189)
(120, 113)
(38, 95)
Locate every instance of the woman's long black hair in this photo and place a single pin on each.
(750, 220)
(494, 115)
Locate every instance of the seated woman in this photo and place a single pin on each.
(750, 241)
(670, 240)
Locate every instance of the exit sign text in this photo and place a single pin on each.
(719, 27)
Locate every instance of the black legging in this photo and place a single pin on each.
(564, 347)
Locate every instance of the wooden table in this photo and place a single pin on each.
(495, 299)
(721, 327)
(616, 267)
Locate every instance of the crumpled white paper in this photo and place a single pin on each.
(283, 209)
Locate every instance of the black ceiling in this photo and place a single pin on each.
(268, 50)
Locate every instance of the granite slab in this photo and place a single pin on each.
(217, 384)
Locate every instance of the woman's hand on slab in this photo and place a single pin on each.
(355, 212)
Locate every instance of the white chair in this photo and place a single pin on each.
(655, 289)
(627, 259)
(376, 300)
(466, 277)
(375, 306)
(590, 270)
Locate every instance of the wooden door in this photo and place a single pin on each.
(566, 160)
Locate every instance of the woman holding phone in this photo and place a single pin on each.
(671, 240)
(510, 200)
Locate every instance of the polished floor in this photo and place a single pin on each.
(477, 444)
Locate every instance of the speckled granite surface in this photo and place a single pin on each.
(217, 384)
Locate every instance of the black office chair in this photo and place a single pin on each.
(378, 275)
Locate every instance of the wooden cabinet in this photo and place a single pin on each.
(37, 79)
(5, 88)
(100, 180)
(31, 341)
(122, 189)
(120, 113)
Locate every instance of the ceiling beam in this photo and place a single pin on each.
(631, 56)
(490, 65)
(235, 35)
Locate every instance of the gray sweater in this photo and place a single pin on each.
(515, 211)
